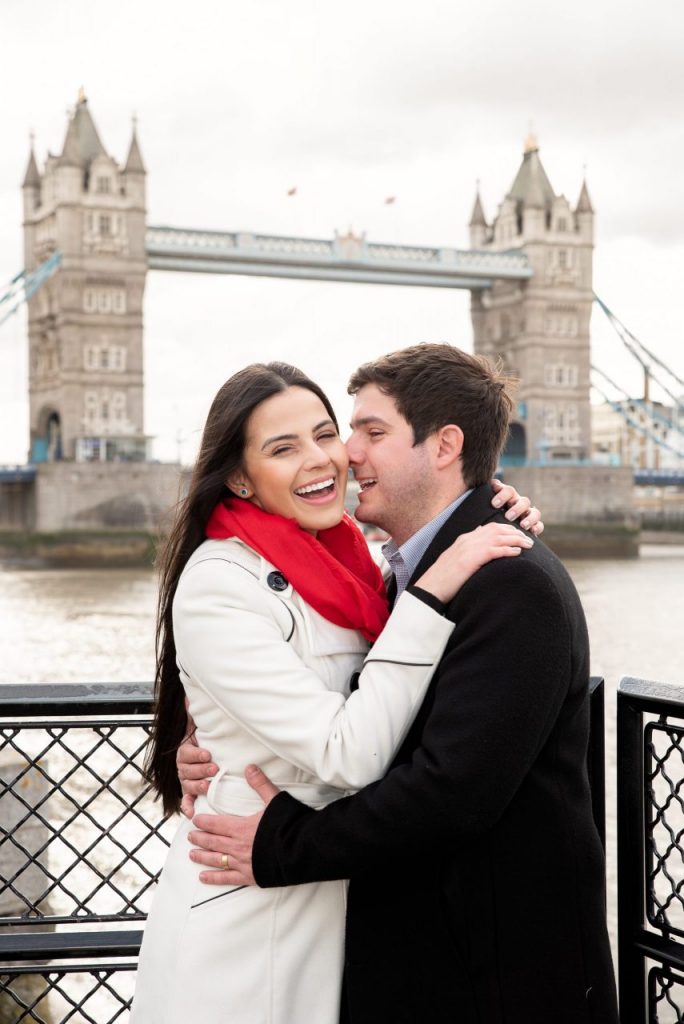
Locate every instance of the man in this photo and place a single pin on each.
(477, 875)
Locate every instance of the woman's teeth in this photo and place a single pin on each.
(324, 485)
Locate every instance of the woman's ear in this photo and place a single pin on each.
(238, 485)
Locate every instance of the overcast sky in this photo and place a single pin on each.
(239, 102)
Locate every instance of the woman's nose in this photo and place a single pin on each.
(317, 455)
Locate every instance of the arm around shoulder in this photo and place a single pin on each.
(498, 691)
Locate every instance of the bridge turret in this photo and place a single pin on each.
(478, 223)
(540, 327)
(31, 183)
(85, 324)
(30, 189)
(584, 214)
(134, 171)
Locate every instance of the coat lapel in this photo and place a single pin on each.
(474, 511)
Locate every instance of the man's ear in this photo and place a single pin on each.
(449, 445)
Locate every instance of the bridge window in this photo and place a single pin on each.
(119, 405)
(561, 424)
(104, 357)
(105, 225)
(103, 184)
(104, 300)
(562, 224)
(560, 375)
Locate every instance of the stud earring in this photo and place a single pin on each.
(243, 492)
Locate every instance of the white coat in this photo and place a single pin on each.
(268, 680)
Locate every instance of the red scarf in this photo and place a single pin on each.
(333, 572)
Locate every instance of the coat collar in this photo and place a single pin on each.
(474, 511)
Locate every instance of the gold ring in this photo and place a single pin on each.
(225, 863)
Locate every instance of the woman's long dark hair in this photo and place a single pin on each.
(221, 453)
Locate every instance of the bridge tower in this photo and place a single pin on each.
(86, 323)
(540, 327)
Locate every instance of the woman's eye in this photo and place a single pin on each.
(281, 451)
(327, 436)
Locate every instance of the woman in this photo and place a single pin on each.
(262, 626)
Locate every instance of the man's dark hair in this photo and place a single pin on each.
(433, 385)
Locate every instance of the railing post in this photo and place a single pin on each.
(596, 755)
(631, 877)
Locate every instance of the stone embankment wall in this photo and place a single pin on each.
(92, 513)
(588, 510)
(96, 496)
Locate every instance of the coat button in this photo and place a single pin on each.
(277, 581)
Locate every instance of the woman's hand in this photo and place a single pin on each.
(517, 506)
(467, 554)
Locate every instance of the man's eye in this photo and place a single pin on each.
(376, 433)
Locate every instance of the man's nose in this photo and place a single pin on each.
(354, 451)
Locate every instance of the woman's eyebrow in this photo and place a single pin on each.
(293, 437)
(279, 437)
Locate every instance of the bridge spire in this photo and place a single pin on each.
(532, 187)
(584, 202)
(134, 161)
(478, 222)
(32, 176)
(477, 217)
(82, 142)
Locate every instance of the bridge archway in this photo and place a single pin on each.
(46, 443)
(515, 451)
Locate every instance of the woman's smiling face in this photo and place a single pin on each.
(295, 464)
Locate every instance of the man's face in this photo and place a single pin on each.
(397, 479)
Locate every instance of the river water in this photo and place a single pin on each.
(98, 625)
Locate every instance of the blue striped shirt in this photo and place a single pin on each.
(403, 561)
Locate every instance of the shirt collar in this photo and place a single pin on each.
(404, 560)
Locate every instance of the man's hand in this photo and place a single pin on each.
(225, 841)
(195, 768)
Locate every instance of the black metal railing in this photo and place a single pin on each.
(650, 760)
(81, 845)
(82, 842)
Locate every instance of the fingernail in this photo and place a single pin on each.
(205, 755)
(528, 542)
(525, 523)
(193, 855)
(510, 514)
(214, 769)
(497, 503)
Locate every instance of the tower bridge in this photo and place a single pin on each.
(88, 249)
(528, 269)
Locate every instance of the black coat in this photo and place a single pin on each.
(477, 889)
